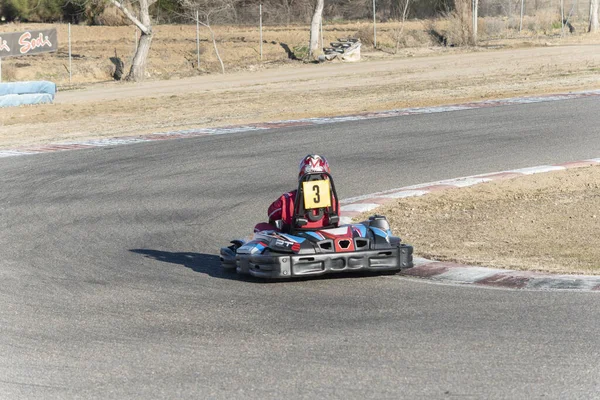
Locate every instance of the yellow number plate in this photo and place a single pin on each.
(317, 194)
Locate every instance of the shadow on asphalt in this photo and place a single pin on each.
(210, 264)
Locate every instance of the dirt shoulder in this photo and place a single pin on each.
(544, 222)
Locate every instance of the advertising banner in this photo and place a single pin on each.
(28, 42)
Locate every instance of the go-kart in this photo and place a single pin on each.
(299, 250)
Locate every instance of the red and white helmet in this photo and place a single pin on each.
(313, 163)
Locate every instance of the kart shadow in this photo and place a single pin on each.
(210, 264)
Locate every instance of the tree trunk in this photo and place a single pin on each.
(399, 33)
(214, 40)
(593, 16)
(315, 25)
(138, 65)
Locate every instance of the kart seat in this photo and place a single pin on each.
(316, 204)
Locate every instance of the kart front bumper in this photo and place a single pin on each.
(299, 265)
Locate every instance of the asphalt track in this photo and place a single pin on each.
(110, 286)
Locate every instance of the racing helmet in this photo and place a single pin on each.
(313, 163)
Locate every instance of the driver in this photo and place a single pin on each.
(283, 208)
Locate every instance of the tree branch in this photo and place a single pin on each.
(132, 18)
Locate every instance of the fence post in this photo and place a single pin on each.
(374, 27)
(521, 23)
(562, 18)
(70, 59)
(198, 39)
(261, 31)
(474, 7)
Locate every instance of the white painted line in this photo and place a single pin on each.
(413, 190)
(331, 120)
(564, 282)
(420, 186)
(366, 196)
(442, 109)
(418, 261)
(538, 170)
(13, 153)
(404, 193)
(238, 129)
(108, 142)
(9, 153)
(173, 133)
(458, 182)
(469, 274)
(465, 182)
(361, 207)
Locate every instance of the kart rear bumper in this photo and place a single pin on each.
(299, 265)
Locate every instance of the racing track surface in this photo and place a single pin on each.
(110, 286)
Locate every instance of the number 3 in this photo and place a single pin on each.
(317, 192)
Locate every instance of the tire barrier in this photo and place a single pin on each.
(15, 94)
(346, 49)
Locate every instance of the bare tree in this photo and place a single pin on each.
(400, 31)
(315, 25)
(144, 23)
(459, 29)
(593, 16)
(138, 65)
(203, 11)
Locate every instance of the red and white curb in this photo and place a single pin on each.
(87, 144)
(468, 274)
(500, 278)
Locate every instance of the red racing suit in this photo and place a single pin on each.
(283, 209)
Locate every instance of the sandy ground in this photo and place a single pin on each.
(499, 224)
(279, 89)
